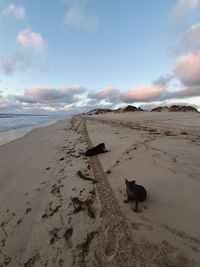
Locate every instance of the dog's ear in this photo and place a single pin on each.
(133, 181)
(126, 181)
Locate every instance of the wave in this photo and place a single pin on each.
(15, 121)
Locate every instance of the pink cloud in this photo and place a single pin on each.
(187, 69)
(31, 40)
(142, 94)
(51, 95)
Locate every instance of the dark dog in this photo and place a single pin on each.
(96, 150)
(135, 192)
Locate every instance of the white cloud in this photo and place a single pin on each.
(108, 94)
(190, 40)
(80, 17)
(16, 61)
(31, 40)
(31, 45)
(7, 64)
(182, 8)
(15, 11)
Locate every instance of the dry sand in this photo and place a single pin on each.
(50, 216)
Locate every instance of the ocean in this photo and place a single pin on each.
(16, 121)
(13, 126)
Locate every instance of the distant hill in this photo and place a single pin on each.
(119, 110)
(159, 109)
(98, 111)
(128, 108)
(182, 108)
(176, 108)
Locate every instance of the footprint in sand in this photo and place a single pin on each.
(68, 236)
(61, 263)
(19, 221)
(54, 236)
(28, 210)
(7, 260)
(61, 170)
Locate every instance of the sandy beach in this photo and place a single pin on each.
(50, 215)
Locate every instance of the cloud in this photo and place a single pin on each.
(79, 16)
(17, 61)
(183, 93)
(15, 11)
(39, 100)
(142, 94)
(187, 69)
(73, 99)
(3, 102)
(182, 9)
(108, 94)
(150, 94)
(50, 95)
(190, 40)
(7, 64)
(163, 80)
(31, 40)
(8, 105)
(31, 44)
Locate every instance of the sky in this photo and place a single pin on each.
(70, 56)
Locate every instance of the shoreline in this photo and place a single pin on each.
(14, 134)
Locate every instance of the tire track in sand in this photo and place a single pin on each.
(116, 246)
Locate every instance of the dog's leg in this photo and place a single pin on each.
(136, 206)
(128, 196)
(126, 201)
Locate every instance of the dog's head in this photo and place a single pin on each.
(129, 182)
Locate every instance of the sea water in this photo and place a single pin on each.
(13, 126)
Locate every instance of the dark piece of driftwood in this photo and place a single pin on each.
(82, 176)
